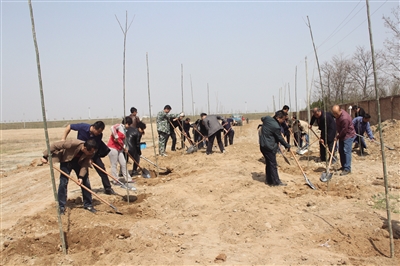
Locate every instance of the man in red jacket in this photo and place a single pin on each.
(345, 135)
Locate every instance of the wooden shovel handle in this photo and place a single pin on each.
(84, 187)
(327, 148)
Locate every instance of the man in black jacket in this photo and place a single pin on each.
(269, 139)
(133, 138)
(319, 117)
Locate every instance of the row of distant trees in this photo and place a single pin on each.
(351, 79)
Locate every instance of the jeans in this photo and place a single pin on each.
(345, 153)
(67, 167)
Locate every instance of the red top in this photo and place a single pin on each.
(117, 137)
(344, 126)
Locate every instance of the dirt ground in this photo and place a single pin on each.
(209, 210)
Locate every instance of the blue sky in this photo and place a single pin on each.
(245, 51)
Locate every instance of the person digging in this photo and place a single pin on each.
(73, 155)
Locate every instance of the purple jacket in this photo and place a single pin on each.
(344, 126)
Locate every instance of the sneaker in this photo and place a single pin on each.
(224, 151)
(129, 186)
(345, 172)
(91, 209)
(62, 210)
(163, 155)
(109, 191)
(134, 173)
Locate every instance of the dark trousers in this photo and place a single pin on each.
(188, 137)
(271, 167)
(135, 156)
(298, 140)
(211, 142)
(104, 178)
(288, 137)
(322, 150)
(62, 188)
(229, 136)
(172, 134)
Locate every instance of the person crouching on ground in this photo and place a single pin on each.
(73, 154)
(269, 138)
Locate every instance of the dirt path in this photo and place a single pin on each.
(208, 207)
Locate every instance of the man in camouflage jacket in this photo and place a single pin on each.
(163, 127)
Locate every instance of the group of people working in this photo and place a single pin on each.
(205, 130)
(336, 127)
(88, 149)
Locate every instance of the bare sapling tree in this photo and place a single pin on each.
(322, 88)
(124, 31)
(46, 133)
(385, 177)
(151, 119)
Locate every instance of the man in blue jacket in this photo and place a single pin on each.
(269, 139)
(361, 126)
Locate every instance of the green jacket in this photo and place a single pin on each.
(270, 134)
(163, 121)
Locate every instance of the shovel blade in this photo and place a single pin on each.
(302, 151)
(190, 150)
(145, 173)
(325, 177)
(309, 182)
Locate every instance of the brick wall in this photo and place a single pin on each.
(390, 109)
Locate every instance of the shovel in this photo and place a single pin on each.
(390, 148)
(303, 150)
(305, 177)
(117, 180)
(327, 176)
(91, 192)
(189, 149)
(145, 172)
(323, 144)
(284, 157)
(161, 168)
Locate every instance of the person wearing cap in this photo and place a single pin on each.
(269, 138)
(163, 127)
(359, 111)
(345, 135)
(361, 126)
(214, 129)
